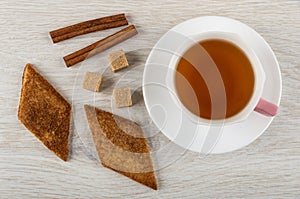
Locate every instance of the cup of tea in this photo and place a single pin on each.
(217, 78)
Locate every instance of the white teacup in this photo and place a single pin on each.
(256, 103)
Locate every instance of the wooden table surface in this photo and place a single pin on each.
(267, 168)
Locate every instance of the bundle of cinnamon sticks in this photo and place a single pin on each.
(103, 23)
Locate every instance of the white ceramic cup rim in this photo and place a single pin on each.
(259, 75)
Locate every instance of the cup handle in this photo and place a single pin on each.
(266, 108)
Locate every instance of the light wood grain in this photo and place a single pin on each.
(268, 168)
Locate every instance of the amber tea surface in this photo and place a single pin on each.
(199, 73)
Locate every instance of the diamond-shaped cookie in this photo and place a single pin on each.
(44, 112)
(121, 146)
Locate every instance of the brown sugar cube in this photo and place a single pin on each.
(92, 81)
(122, 97)
(117, 60)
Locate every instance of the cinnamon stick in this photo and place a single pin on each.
(89, 30)
(88, 27)
(100, 46)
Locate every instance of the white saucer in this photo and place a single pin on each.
(174, 123)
